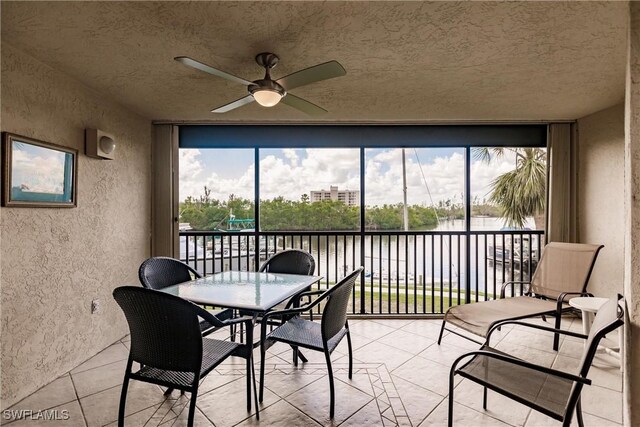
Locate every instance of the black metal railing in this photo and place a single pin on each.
(406, 273)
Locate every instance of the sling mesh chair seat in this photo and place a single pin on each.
(563, 272)
(552, 392)
(167, 343)
(324, 336)
(161, 272)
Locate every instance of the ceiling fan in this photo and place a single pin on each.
(268, 92)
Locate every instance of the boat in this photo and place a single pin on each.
(520, 249)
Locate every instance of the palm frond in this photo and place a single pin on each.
(521, 193)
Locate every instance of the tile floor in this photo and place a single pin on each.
(400, 379)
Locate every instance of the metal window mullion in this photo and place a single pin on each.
(467, 223)
(362, 231)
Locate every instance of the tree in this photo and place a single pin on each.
(521, 192)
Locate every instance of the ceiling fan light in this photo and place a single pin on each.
(266, 97)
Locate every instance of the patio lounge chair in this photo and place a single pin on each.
(167, 343)
(552, 392)
(563, 272)
(324, 336)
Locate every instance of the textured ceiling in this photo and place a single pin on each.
(405, 61)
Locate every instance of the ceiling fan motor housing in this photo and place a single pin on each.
(267, 59)
(266, 85)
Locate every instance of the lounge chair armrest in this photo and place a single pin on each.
(523, 363)
(505, 285)
(564, 295)
(530, 325)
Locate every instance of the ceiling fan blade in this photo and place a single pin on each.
(233, 105)
(303, 105)
(319, 72)
(208, 69)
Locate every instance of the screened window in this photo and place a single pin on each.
(309, 189)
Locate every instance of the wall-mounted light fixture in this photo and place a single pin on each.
(99, 144)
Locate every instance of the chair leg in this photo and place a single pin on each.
(579, 413)
(331, 387)
(249, 363)
(255, 389)
(262, 355)
(295, 355)
(450, 415)
(192, 407)
(484, 399)
(441, 331)
(123, 400)
(556, 336)
(350, 355)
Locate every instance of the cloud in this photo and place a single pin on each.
(194, 177)
(291, 173)
(38, 170)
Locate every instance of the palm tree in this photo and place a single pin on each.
(519, 193)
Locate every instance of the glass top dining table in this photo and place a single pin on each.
(243, 290)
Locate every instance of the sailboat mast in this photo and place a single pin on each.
(405, 211)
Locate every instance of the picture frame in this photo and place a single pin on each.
(37, 173)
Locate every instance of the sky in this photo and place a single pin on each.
(37, 169)
(433, 174)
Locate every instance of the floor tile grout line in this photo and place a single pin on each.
(99, 391)
(358, 410)
(280, 400)
(98, 366)
(156, 411)
(483, 412)
(44, 409)
(128, 415)
(434, 408)
(75, 390)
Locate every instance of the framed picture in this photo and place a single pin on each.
(37, 173)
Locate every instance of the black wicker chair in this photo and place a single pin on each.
(161, 272)
(552, 392)
(167, 343)
(324, 336)
(289, 261)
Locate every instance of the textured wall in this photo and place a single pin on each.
(601, 196)
(55, 261)
(632, 225)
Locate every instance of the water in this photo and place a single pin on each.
(434, 260)
(393, 262)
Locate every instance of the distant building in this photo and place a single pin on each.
(349, 198)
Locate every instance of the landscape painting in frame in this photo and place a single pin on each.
(37, 173)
